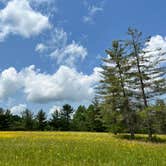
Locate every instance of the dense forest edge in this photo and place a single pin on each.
(130, 97)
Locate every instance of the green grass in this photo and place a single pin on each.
(77, 149)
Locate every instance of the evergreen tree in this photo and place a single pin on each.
(110, 88)
(17, 123)
(98, 119)
(55, 120)
(27, 118)
(7, 120)
(79, 119)
(160, 117)
(114, 90)
(41, 120)
(65, 117)
(148, 73)
(90, 118)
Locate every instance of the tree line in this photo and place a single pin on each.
(66, 119)
(94, 118)
(130, 97)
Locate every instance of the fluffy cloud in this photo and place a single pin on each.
(156, 42)
(9, 82)
(155, 50)
(156, 47)
(18, 109)
(19, 18)
(60, 50)
(69, 54)
(66, 84)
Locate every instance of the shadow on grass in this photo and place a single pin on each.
(142, 138)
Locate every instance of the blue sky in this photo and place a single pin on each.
(51, 49)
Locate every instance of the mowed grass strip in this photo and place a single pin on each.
(77, 149)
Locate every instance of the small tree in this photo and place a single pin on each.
(55, 120)
(65, 117)
(27, 118)
(41, 120)
(79, 119)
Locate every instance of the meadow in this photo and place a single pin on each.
(77, 149)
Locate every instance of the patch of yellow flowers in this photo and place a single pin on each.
(76, 149)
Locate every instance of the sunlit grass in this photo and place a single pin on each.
(77, 149)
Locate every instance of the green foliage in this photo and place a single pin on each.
(132, 78)
(55, 120)
(79, 119)
(41, 120)
(65, 117)
(27, 118)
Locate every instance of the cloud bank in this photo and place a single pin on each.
(66, 84)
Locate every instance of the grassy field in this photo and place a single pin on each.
(77, 149)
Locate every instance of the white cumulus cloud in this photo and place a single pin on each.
(19, 18)
(66, 84)
(10, 82)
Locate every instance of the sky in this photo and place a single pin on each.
(51, 49)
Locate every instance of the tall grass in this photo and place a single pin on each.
(77, 149)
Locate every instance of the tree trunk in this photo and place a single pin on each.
(150, 132)
(140, 76)
(132, 133)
